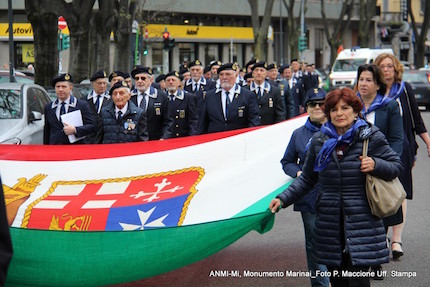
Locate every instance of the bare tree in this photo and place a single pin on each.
(367, 12)
(260, 28)
(335, 38)
(122, 32)
(292, 29)
(43, 17)
(101, 26)
(420, 38)
(78, 14)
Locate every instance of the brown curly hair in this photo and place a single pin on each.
(345, 94)
(398, 67)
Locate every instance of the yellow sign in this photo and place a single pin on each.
(221, 33)
(21, 30)
(178, 32)
(27, 53)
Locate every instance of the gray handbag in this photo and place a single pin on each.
(385, 197)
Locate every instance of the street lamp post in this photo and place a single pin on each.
(11, 58)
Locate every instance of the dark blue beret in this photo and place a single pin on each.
(61, 78)
(100, 74)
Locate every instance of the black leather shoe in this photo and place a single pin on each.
(378, 273)
(396, 253)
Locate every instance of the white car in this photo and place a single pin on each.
(21, 113)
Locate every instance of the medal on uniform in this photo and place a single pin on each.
(270, 103)
(240, 113)
(182, 114)
(282, 89)
(129, 125)
(157, 111)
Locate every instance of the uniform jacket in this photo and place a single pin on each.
(295, 95)
(183, 111)
(204, 87)
(242, 112)
(271, 105)
(157, 114)
(97, 136)
(132, 126)
(53, 131)
(342, 200)
(293, 161)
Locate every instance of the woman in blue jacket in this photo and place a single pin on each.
(347, 236)
(413, 125)
(383, 112)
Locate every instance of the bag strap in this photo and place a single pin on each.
(409, 107)
(365, 147)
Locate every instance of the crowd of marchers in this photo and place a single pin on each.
(194, 100)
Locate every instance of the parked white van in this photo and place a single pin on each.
(344, 70)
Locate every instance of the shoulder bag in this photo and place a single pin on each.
(385, 197)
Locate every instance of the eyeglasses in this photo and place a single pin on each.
(382, 67)
(140, 78)
(314, 104)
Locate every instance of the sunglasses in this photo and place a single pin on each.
(314, 104)
(140, 78)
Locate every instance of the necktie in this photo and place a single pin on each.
(172, 97)
(227, 103)
(143, 103)
(119, 116)
(97, 104)
(259, 92)
(62, 109)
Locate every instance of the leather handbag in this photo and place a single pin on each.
(385, 197)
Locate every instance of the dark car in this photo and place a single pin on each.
(420, 82)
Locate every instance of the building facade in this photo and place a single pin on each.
(222, 30)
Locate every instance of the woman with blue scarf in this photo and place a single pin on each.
(347, 236)
(413, 124)
(383, 112)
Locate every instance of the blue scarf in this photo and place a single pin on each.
(396, 90)
(377, 103)
(324, 156)
(313, 128)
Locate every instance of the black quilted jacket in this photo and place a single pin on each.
(342, 200)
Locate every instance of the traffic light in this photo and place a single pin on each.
(171, 43)
(166, 39)
(65, 42)
(303, 43)
(145, 49)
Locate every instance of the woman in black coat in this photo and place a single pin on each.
(348, 237)
(413, 124)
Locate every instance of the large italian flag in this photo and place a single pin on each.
(94, 215)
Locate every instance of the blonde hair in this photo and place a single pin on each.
(398, 67)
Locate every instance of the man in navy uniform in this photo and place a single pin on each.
(293, 92)
(122, 120)
(153, 102)
(272, 74)
(182, 107)
(270, 103)
(116, 76)
(197, 84)
(214, 65)
(310, 79)
(230, 106)
(97, 99)
(57, 131)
